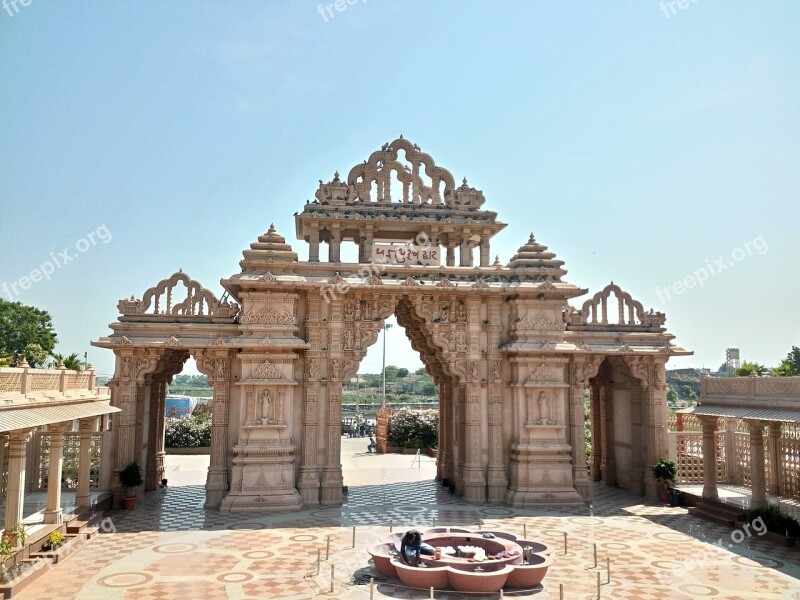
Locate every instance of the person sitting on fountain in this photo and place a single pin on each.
(412, 544)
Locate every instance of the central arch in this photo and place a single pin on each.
(510, 355)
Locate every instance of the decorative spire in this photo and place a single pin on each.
(533, 258)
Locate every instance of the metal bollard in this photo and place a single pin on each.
(432, 596)
(391, 524)
(565, 544)
(598, 585)
(608, 569)
(595, 555)
(354, 536)
(328, 548)
(560, 591)
(332, 579)
(524, 531)
(371, 587)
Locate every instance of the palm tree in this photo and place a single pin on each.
(71, 362)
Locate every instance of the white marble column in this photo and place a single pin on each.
(709, 458)
(52, 514)
(83, 496)
(15, 488)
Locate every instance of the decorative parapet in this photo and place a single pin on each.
(19, 383)
(198, 302)
(713, 388)
(628, 312)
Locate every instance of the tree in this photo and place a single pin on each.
(401, 373)
(688, 392)
(790, 366)
(672, 395)
(26, 331)
(750, 367)
(391, 372)
(429, 389)
(71, 362)
(420, 371)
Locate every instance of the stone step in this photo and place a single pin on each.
(86, 522)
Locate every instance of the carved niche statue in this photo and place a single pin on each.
(267, 408)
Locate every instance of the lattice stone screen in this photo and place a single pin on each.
(69, 477)
(741, 443)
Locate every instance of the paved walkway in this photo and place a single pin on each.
(170, 547)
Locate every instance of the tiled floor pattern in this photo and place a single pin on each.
(170, 547)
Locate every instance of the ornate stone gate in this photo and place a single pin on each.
(510, 355)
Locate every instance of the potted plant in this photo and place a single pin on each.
(131, 478)
(665, 471)
(54, 540)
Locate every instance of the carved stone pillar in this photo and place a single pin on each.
(775, 461)
(313, 246)
(451, 254)
(709, 458)
(308, 484)
(15, 487)
(52, 513)
(638, 470)
(83, 496)
(161, 409)
(465, 252)
(216, 365)
(757, 471)
(151, 472)
(474, 476)
(582, 371)
(596, 455)
(485, 251)
(368, 239)
(332, 481)
(334, 246)
(609, 454)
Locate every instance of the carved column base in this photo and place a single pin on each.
(541, 473)
(53, 516)
(308, 486)
(331, 488)
(262, 479)
(582, 484)
(474, 484)
(216, 487)
(498, 484)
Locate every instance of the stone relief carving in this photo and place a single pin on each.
(267, 370)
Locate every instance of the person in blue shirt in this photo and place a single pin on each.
(412, 545)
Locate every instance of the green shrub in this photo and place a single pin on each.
(414, 429)
(191, 431)
(776, 521)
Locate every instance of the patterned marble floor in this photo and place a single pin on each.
(170, 547)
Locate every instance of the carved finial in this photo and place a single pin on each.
(464, 181)
(271, 228)
(496, 260)
(401, 136)
(612, 282)
(417, 148)
(335, 175)
(180, 270)
(531, 239)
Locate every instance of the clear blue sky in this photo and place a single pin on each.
(637, 143)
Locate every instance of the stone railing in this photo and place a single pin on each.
(766, 387)
(26, 380)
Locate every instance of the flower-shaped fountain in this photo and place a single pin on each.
(470, 561)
